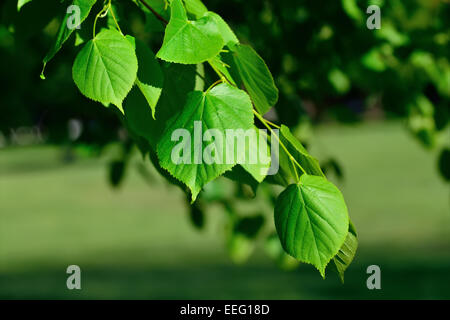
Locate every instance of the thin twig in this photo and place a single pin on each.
(293, 161)
(156, 14)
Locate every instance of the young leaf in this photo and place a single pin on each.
(106, 68)
(312, 221)
(223, 107)
(64, 31)
(189, 42)
(255, 75)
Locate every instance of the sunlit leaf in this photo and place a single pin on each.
(312, 221)
(106, 68)
(223, 107)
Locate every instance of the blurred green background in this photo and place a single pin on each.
(373, 102)
(137, 242)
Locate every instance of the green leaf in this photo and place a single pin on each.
(106, 68)
(312, 221)
(223, 107)
(150, 78)
(347, 252)
(189, 42)
(228, 35)
(255, 75)
(64, 32)
(309, 163)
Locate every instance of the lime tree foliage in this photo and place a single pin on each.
(326, 63)
(154, 92)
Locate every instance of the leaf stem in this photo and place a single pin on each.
(265, 123)
(295, 169)
(272, 124)
(114, 17)
(214, 84)
(220, 74)
(291, 158)
(105, 9)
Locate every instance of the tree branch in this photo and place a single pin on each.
(156, 14)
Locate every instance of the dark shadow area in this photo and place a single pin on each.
(399, 280)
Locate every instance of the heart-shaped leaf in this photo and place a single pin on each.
(106, 68)
(223, 107)
(312, 221)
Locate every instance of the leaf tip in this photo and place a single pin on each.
(322, 272)
(42, 76)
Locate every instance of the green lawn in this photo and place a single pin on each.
(137, 242)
